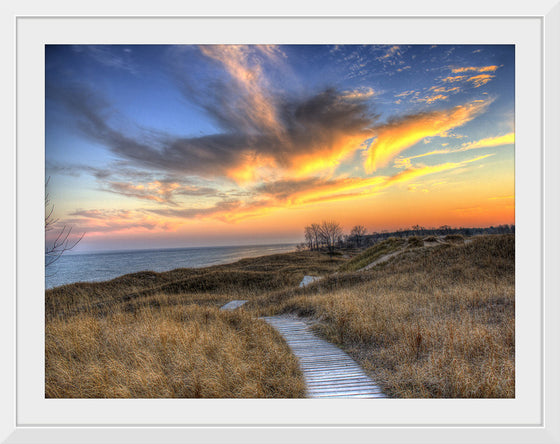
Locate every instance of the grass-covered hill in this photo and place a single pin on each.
(437, 319)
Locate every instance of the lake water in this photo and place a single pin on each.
(93, 267)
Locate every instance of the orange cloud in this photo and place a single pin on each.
(253, 166)
(333, 190)
(506, 139)
(490, 68)
(392, 51)
(156, 190)
(454, 78)
(444, 89)
(261, 201)
(480, 80)
(400, 134)
(434, 98)
(247, 73)
(413, 173)
(323, 156)
(360, 93)
(290, 193)
(100, 222)
(329, 156)
(352, 188)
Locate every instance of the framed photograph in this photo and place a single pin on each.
(230, 125)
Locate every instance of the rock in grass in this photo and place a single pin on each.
(232, 305)
(308, 280)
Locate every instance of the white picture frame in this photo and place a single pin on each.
(534, 27)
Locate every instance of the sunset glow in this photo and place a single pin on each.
(173, 146)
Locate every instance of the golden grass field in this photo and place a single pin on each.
(433, 321)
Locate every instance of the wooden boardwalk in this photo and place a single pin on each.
(327, 370)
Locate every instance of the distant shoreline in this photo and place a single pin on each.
(136, 250)
(104, 266)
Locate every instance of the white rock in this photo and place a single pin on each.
(232, 305)
(308, 280)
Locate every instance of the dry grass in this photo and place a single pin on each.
(454, 238)
(172, 352)
(246, 279)
(161, 334)
(431, 322)
(415, 242)
(434, 322)
(373, 253)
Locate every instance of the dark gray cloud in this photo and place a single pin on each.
(284, 189)
(224, 206)
(103, 214)
(192, 190)
(310, 126)
(226, 210)
(141, 184)
(116, 169)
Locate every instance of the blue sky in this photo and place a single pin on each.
(150, 145)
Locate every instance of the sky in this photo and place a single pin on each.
(151, 146)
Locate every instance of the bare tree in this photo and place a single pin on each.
(316, 234)
(308, 237)
(358, 233)
(330, 231)
(63, 241)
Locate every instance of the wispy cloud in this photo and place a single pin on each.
(359, 93)
(263, 198)
(480, 80)
(310, 190)
(406, 93)
(476, 75)
(433, 98)
(230, 210)
(300, 192)
(112, 56)
(156, 190)
(137, 183)
(400, 134)
(97, 222)
(428, 95)
(506, 139)
(392, 51)
(453, 78)
(277, 150)
(316, 132)
(470, 69)
(444, 89)
(303, 191)
(415, 172)
(254, 104)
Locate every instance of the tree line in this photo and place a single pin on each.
(328, 235)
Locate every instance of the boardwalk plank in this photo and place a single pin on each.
(328, 371)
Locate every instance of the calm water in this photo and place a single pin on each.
(91, 267)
